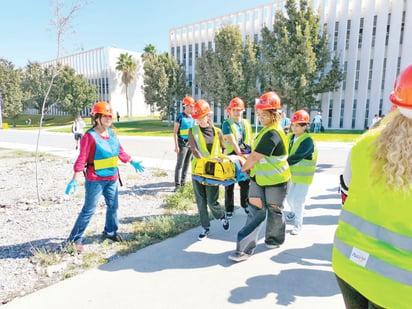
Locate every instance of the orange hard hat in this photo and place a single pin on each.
(269, 100)
(103, 108)
(236, 104)
(201, 109)
(188, 101)
(300, 116)
(402, 93)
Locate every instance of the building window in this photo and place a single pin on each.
(366, 123)
(190, 55)
(256, 15)
(248, 16)
(347, 34)
(383, 74)
(240, 18)
(196, 50)
(172, 52)
(388, 28)
(375, 21)
(335, 38)
(370, 74)
(398, 66)
(217, 23)
(357, 74)
(232, 20)
(342, 111)
(402, 27)
(355, 103)
(209, 45)
(360, 38)
(345, 72)
(330, 113)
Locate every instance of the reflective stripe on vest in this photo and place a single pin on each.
(106, 155)
(185, 124)
(201, 144)
(303, 171)
(271, 170)
(247, 129)
(374, 264)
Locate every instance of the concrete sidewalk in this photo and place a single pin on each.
(183, 273)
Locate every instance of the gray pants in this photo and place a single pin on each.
(207, 195)
(247, 237)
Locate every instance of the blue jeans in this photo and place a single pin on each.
(296, 199)
(94, 189)
(247, 237)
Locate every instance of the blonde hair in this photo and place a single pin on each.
(393, 152)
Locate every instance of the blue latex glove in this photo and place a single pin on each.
(137, 166)
(72, 186)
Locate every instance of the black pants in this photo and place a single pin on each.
(230, 195)
(353, 299)
(183, 161)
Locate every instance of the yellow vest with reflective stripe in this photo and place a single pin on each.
(303, 171)
(373, 242)
(271, 170)
(247, 130)
(201, 144)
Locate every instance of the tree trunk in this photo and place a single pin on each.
(127, 102)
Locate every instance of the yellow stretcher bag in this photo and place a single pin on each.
(219, 168)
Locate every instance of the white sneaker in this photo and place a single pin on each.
(295, 231)
(239, 256)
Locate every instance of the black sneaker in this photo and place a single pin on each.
(203, 234)
(225, 223)
(229, 214)
(115, 237)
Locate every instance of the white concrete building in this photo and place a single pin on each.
(371, 37)
(98, 66)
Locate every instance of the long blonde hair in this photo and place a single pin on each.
(393, 152)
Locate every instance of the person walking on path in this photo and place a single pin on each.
(206, 141)
(237, 133)
(317, 121)
(77, 129)
(183, 123)
(100, 151)
(269, 177)
(372, 250)
(285, 122)
(302, 161)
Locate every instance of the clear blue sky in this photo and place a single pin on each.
(26, 34)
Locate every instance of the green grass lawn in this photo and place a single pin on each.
(154, 126)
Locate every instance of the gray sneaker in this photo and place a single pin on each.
(225, 223)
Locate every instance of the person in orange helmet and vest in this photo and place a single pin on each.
(206, 141)
(269, 178)
(372, 252)
(238, 137)
(100, 151)
(183, 123)
(302, 161)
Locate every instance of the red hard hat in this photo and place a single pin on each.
(103, 108)
(188, 101)
(201, 109)
(269, 100)
(236, 104)
(402, 92)
(300, 116)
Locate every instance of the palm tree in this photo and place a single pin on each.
(128, 67)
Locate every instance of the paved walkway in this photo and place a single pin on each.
(183, 273)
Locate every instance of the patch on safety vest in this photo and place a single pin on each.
(359, 257)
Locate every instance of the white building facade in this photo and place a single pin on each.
(98, 66)
(372, 38)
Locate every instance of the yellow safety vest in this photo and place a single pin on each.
(201, 144)
(373, 242)
(271, 170)
(303, 171)
(248, 134)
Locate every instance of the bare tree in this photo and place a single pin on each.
(61, 23)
